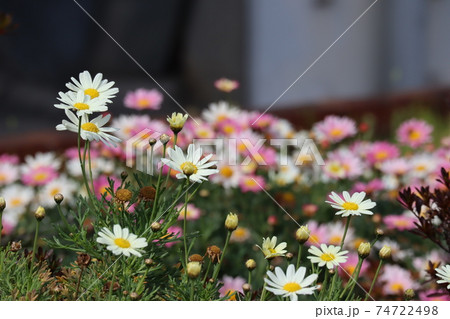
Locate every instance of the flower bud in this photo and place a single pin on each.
(155, 226)
(164, 138)
(331, 271)
(246, 287)
(2, 204)
(148, 261)
(39, 214)
(176, 121)
(124, 175)
(134, 295)
(385, 252)
(189, 168)
(58, 198)
(379, 232)
(231, 222)
(302, 234)
(409, 294)
(152, 141)
(250, 264)
(193, 269)
(364, 250)
(289, 256)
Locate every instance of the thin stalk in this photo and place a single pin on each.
(61, 215)
(325, 282)
(191, 297)
(207, 271)
(333, 283)
(158, 186)
(374, 280)
(345, 231)
(83, 171)
(217, 269)
(78, 283)
(299, 255)
(354, 276)
(1, 227)
(36, 234)
(90, 164)
(186, 199)
(111, 287)
(263, 292)
(175, 138)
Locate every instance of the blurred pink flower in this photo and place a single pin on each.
(193, 213)
(414, 133)
(374, 185)
(9, 173)
(434, 295)
(396, 280)
(229, 127)
(231, 285)
(226, 85)
(8, 158)
(334, 129)
(252, 183)
(39, 176)
(101, 184)
(350, 265)
(143, 99)
(400, 222)
(173, 232)
(343, 163)
(318, 234)
(381, 151)
(395, 166)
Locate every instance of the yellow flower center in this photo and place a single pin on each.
(189, 167)
(335, 168)
(91, 127)
(401, 223)
(314, 238)
(143, 102)
(420, 168)
(2, 177)
(272, 251)
(81, 106)
(122, 243)
(16, 202)
(292, 287)
(54, 191)
(381, 155)
(414, 135)
(226, 171)
(231, 292)
(327, 257)
(93, 93)
(39, 177)
(240, 232)
(350, 206)
(335, 240)
(250, 182)
(397, 286)
(336, 132)
(228, 129)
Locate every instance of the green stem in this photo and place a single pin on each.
(217, 269)
(333, 283)
(62, 216)
(1, 227)
(352, 280)
(191, 298)
(325, 282)
(36, 239)
(345, 231)
(111, 287)
(158, 186)
(90, 164)
(263, 292)
(299, 255)
(175, 138)
(374, 280)
(186, 199)
(83, 171)
(78, 283)
(207, 271)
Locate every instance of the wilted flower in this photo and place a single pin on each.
(213, 252)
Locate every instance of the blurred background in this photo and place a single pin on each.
(394, 59)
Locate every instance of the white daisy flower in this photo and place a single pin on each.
(81, 103)
(121, 241)
(192, 163)
(17, 198)
(94, 88)
(62, 185)
(9, 173)
(351, 205)
(422, 165)
(330, 256)
(444, 273)
(90, 130)
(48, 159)
(217, 112)
(270, 249)
(291, 284)
(228, 175)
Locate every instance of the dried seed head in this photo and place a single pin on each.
(250, 264)
(364, 250)
(196, 257)
(39, 214)
(164, 138)
(385, 252)
(193, 269)
(246, 287)
(155, 226)
(231, 222)
(58, 198)
(16, 246)
(83, 260)
(302, 234)
(123, 195)
(409, 294)
(147, 193)
(213, 252)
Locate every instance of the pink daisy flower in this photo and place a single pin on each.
(9, 173)
(334, 129)
(229, 127)
(395, 166)
(335, 232)
(173, 232)
(143, 99)
(434, 295)
(40, 169)
(8, 158)
(400, 222)
(226, 85)
(396, 279)
(348, 165)
(252, 183)
(373, 186)
(318, 234)
(192, 213)
(262, 121)
(350, 266)
(414, 133)
(101, 185)
(231, 285)
(381, 151)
